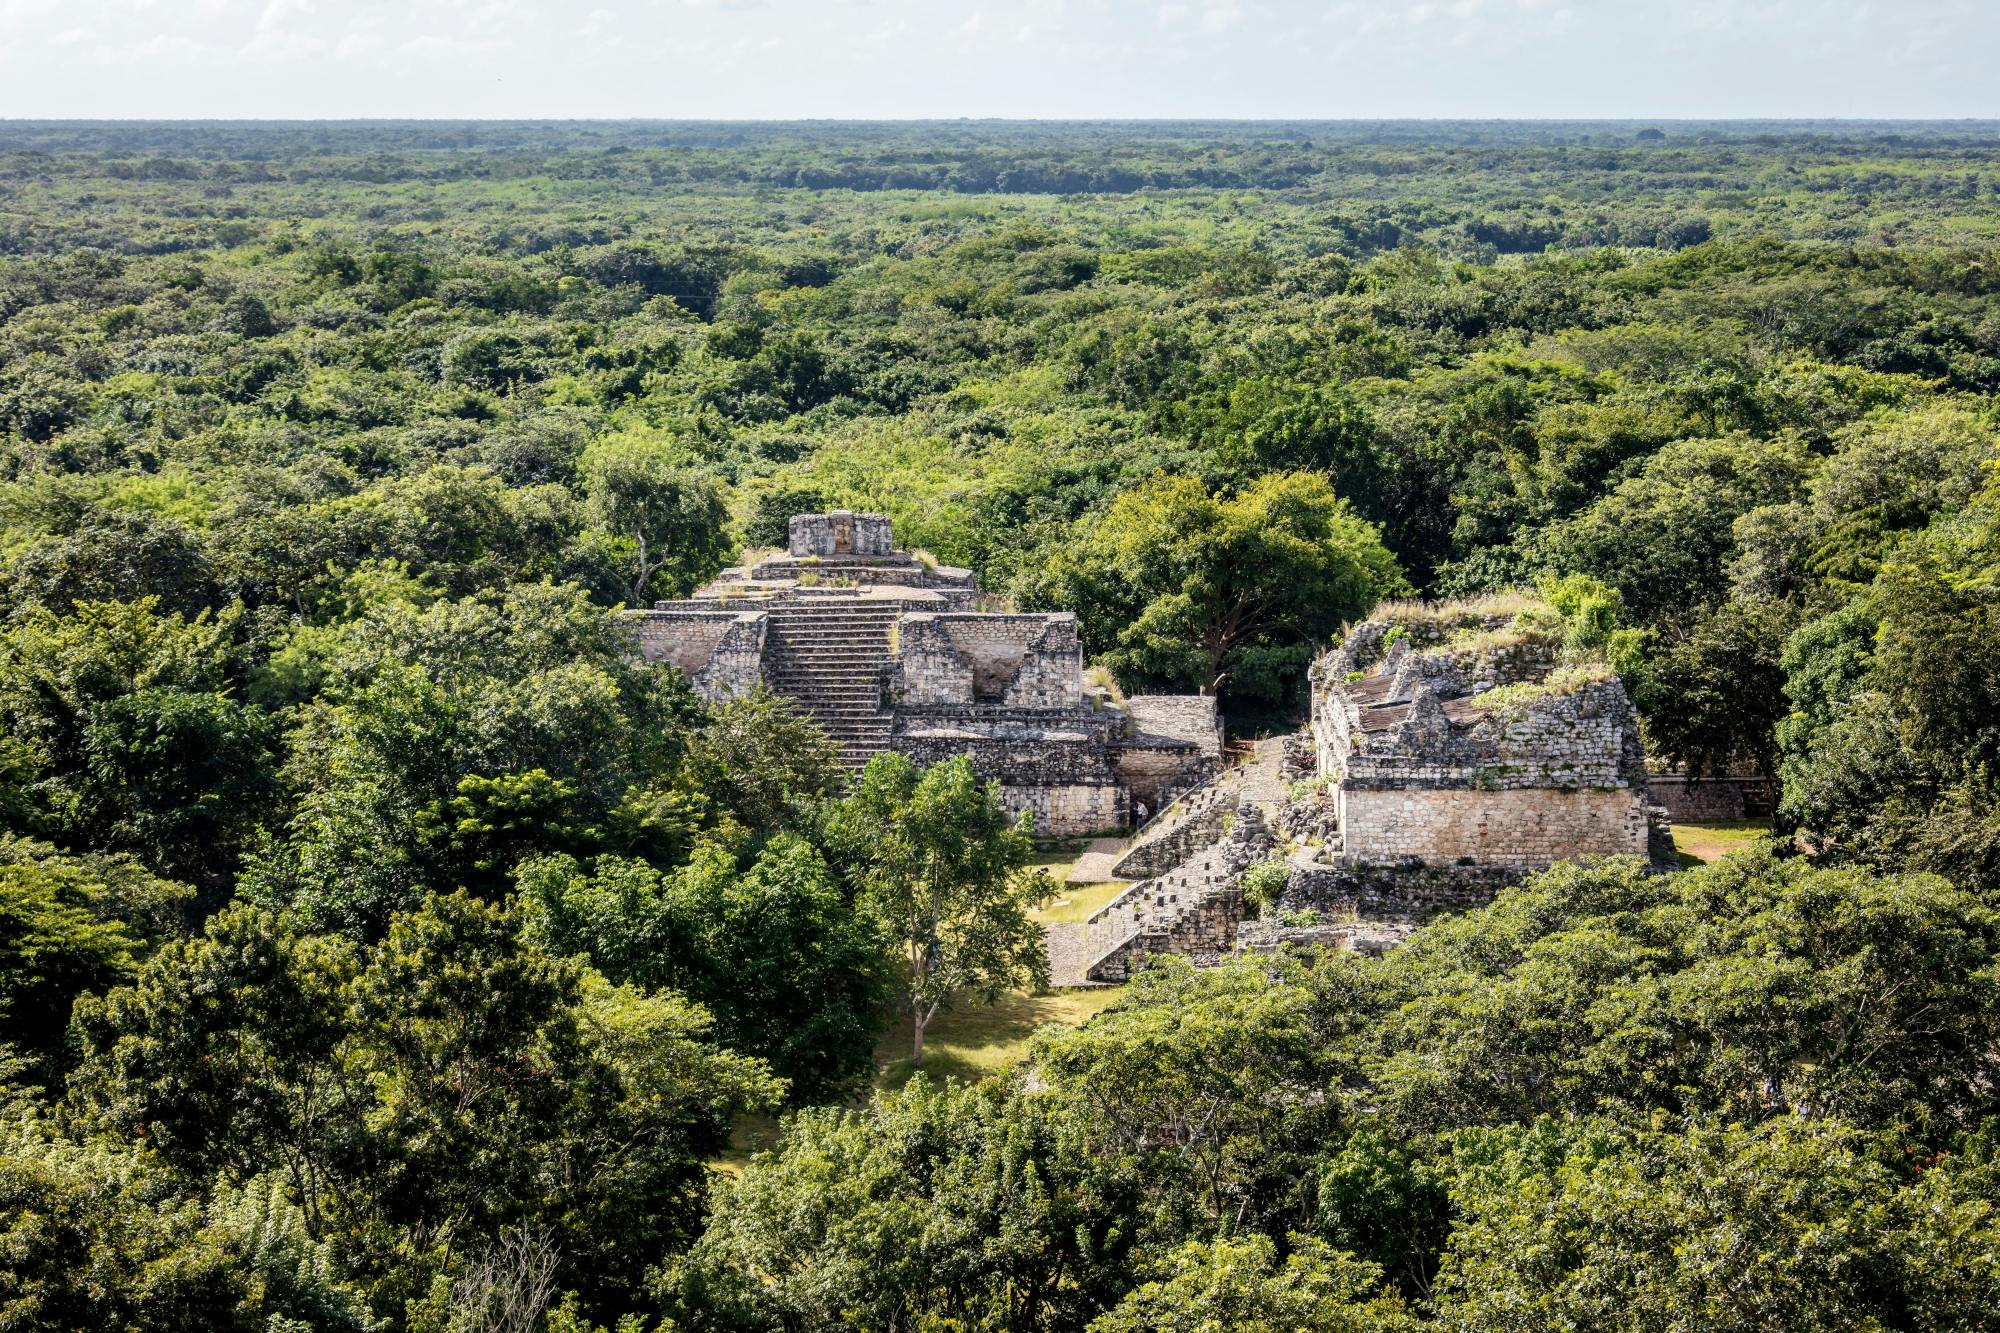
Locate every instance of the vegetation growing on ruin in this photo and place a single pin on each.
(1516, 699)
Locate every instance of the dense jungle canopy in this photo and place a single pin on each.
(382, 948)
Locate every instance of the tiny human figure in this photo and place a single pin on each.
(1139, 813)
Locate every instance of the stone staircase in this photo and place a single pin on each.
(1184, 827)
(1192, 909)
(831, 660)
(1194, 820)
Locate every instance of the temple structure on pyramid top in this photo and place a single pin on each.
(887, 651)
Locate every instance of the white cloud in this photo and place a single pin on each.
(279, 12)
(1221, 18)
(358, 46)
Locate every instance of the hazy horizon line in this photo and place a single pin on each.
(1006, 120)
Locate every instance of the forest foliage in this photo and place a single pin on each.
(382, 947)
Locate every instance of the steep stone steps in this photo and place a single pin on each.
(832, 661)
(1192, 909)
(1195, 819)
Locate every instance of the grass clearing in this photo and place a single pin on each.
(1077, 901)
(975, 1040)
(1057, 861)
(1699, 844)
(969, 1042)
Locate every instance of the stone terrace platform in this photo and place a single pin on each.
(885, 652)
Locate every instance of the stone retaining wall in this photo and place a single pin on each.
(1158, 855)
(684, 639)
(1074, 811)
(1182, 717)
(1522, 827)
(1157, 772)
(1407, 893)
(720, 652)
(1710, 800)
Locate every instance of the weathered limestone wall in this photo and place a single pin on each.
(684, 639)
(1063, 775)
(1068, 812)
(1050, 673)
(1518, 827)
(1704, 801)
(779, 577)
(1025, 661)
(841, 532)
(736, 666)
(1156, 772)
(929, 671)
(953, 660)
(1013, 752)
(1587, 738)
(720, 652)
(1181, 717)
(1394, 893)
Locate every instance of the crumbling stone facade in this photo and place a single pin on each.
(1430, 757)
(887, 653)
(1445, 760)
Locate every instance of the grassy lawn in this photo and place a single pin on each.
(975, 1040)
(1075, 902)
(1058, 861)
(1699, 843)
(968, 1042)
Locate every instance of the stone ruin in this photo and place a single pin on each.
(887, 652)
(1480, 755)
(1448, 754)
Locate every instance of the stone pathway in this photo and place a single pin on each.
(1262, 775)
(1094, 866)
(1067, 955)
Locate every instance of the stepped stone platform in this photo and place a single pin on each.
(885, 651)
(1450, 754)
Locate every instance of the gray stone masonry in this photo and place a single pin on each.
(1741, 793)
(883, 651)
(1196, 821)
(1407, 894)
(840, 533)
(1426, 766)
(1413, 792)
(1192, 910)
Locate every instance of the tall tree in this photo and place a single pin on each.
(665, 520)
(1182, 588)
(946, 869)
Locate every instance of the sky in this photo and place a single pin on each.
(783, 59)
